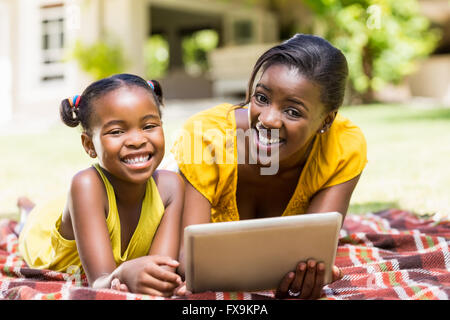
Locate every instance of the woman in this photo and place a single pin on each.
(289, 152)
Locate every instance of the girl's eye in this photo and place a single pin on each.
(260, 98)
(115, 132)
(293, 113)
(149, 126)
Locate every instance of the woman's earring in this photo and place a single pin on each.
(322, 130)
(92, 154)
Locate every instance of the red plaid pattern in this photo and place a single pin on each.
(390, 254)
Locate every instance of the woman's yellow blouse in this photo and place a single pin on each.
(206, 155)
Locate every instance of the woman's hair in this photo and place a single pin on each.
(314, 58)
(74, 113)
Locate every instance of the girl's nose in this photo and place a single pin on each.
(271, 118)
(135, 140)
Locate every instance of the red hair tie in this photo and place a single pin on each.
(75, 101)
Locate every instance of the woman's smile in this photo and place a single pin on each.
(266, 139)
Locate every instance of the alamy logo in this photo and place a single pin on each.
(211, 146)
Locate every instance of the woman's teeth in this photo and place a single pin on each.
(136, 159)
(264, 140)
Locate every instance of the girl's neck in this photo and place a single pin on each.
(125, 191)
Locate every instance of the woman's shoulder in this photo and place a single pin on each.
(219, 116)
(342, 153)
(345, 136)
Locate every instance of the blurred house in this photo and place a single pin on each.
(36, 36)
(432, 80)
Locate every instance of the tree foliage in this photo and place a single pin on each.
(100, 59)
(382, 39)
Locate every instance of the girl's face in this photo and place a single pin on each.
(285, 100)
(127, 134)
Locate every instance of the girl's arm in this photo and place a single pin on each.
(308, 278)
(167, 238)
(196, 210)
(87, 205)
(165, 244)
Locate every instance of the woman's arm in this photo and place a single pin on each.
(308, 278)
(334, 198)
(197, 210)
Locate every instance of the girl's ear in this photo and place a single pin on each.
(88, 145)
(328, 121)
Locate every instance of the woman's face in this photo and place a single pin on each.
(127, 134)
(286, 101)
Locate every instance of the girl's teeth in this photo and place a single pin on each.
(136, 160)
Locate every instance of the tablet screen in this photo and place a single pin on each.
(254, 255)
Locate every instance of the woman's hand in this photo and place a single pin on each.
(148, 275)
(306, 282)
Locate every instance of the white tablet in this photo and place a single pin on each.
(254, 255)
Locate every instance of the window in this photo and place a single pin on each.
(243, 31)
(52, 42)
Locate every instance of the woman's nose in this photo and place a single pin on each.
(271, 118)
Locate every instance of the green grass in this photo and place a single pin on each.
(408, 168)
(409, 153)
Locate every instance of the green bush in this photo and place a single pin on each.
(100, 59)
(156, 54)
(196, 48)
(382, 39)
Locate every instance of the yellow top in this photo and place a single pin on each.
(206, 154)
(43, 247)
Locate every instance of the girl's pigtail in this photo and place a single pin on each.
(156, 86)
(69, 113)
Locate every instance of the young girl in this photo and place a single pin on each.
(120, 220)
(308, 158)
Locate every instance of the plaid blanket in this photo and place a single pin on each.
(390, 255)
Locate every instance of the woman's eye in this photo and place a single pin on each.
(261, 98)
(293, 113)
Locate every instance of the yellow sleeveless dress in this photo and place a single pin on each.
(43, 247)
(206, 154)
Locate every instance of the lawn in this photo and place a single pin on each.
(408, 168)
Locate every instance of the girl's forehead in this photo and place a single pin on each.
(127, 94)
(125, 102)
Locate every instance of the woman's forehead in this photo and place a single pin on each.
(290, 81)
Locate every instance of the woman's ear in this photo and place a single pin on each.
(328, 121)
(88, 145)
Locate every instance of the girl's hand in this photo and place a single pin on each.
(116, 285)
(150, 275)
(182, 290)
(306, 282)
